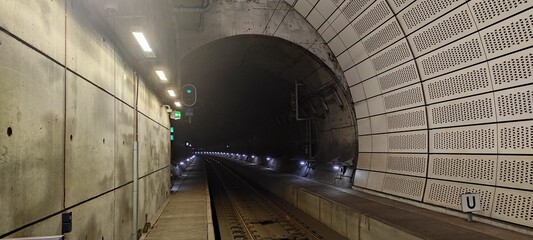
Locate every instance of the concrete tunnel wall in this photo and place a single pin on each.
(442, 90)
(67, 118)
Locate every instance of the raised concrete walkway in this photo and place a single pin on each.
(187, 214)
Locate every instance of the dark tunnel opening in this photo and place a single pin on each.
(247, 90)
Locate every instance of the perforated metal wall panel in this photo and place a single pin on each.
(442, 31)
(513, 206)
(404, 186)
(512, 70)
(407, 164)
(464, 168)
(407, 120)
(515, 137)
(466, 82)
(448, 194)
(464, 111)
(473, 139)
(462, 53)
(448, 98)
(398, 77)
(404, 98)
(515, 172)
(422, 12)
(411, 142)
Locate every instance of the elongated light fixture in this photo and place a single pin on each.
(161, 75)
(171, 93)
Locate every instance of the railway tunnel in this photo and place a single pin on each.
(339, 108)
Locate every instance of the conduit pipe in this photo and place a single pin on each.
(206, 6)
(135, 164)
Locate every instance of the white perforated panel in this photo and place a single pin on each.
(448, 194)
(514, 104)
(513, 206)
(404, 186)
(376, 106)
(404, 98)
(424, 11)
(348, 36)
(509, 35)
(412, 119)
(512, 70)
(515, 172)
(392, 57)
(488, 12)
(471, 110)
(464, 168)
(444, 30)
(462, 53)
(473, 139)
(352, 8)
(469, 81)
(366, 69)
(412, 142)
(397, 5)
(515, 137)
(379, 143)
(352, 76)
(357, 52)
(384, 36)
(408, 164)
(398, 77)
(375, 15)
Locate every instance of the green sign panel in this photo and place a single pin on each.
(177, 114)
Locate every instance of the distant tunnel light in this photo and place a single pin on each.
(178, 104)
(336, 167)
(302, 163)
(171, 93)
(141, 39)
(161, 75)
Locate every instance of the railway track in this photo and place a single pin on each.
(244, 213)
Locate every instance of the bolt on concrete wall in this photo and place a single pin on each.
(67, 133)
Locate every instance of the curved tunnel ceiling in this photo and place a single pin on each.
(245, 83)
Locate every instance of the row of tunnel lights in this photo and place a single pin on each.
(149, 53)
(238, 155)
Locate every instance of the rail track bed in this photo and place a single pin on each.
(241, 211)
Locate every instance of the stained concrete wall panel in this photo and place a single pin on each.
(353, 219)
(123, 206)
(89, 53)
(90, 153)
(309, 203)
(144, 144)
(48, 227)
(124, 82)
(325, 212)
(143, 100)
(31, 158)
(94, 219)
(338, 218)
(39, 23)
(124, 121)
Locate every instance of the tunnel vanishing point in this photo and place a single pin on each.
(416, 102)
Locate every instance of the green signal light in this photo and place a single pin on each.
(177, 114)
(189, 91)
(171, 129)
(171, 137)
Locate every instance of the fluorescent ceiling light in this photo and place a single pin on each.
(178, 104)
(139, 36)
(171, 93)
(161, 75)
